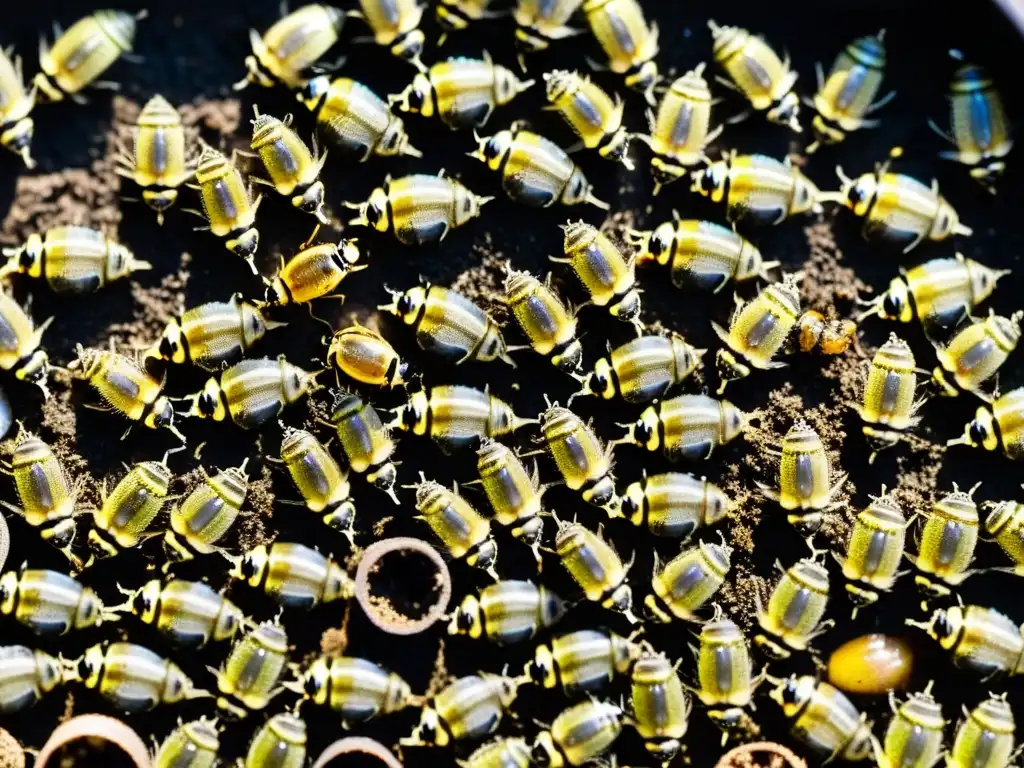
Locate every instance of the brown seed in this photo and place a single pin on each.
(871, 664)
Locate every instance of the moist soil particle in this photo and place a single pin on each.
(192, 57)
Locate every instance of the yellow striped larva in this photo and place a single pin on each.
(85, 51)
(595, 565)
(594, 116)
(823, 718)
(889, 408)
(544, 319)
(535, 171)
(16, 103)
(630, 43)
(980, 129)
(395, 25)
(212, 334)
(758, 329)
(806, 488)
(976, 353)
(847, 96)
(448, 324)
(158, 161)
(898, 207)
(701, 253)
(457, 417)
(293, 168)
(681, 129)
(355, 120)
(757, 72)
(998, 425)
(757, 187)
(465, 533)
(608, 277)
(292, 46)
(686, 426)
(364, 355)
(72, 260)
(941, 293)
(228, 205)
(461, 92)
(875, 551)
(125, 387)
(252, 392)
(419, 209)
(946, 543)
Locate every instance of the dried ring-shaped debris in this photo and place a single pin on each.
(390, 620)
(11, 753)
(357, 745)
(760, 754)
(93, 728)
(5, 541)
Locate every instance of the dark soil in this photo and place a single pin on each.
(194, 51)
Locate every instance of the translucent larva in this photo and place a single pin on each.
(72, 260)
(687, 426)
(419, 209)
(701, 254)
(980, 129)
(594, 116)
(630, 43)
(132, 677)
(847, 96)
(84, 52)
(461, 92)
(757, 72)
(292, 45)
(448, 324)
(759, 188)
(823, 718)
(643, 369)
(16, 103)
(898, 207)
(535, 171)
(253, 392)
(681, 129)
(158, 161)
(354, 120)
